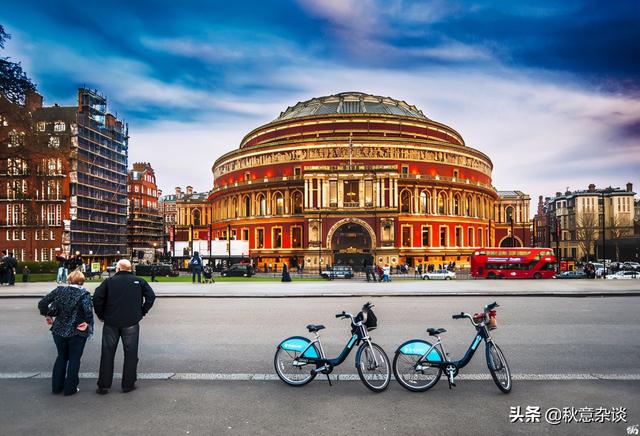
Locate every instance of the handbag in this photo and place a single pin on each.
(53, 309)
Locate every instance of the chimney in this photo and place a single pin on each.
(159, 193)
(33, 101)
(592, 188)
(178, 191)
(629, 187)
(189, 190)
(558, 194)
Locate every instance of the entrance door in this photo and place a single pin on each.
(351, 244)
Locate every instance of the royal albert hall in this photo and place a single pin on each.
(338, 179)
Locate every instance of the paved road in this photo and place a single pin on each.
(208, 337)
(362, 288)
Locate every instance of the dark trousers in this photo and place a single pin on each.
(371, 274)
(193, 275)
(65, 370)
(11, 277)
(110, 338)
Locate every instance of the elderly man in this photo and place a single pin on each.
(120, 302)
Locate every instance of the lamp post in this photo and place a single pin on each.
(604, 257)
(155, 252)
(319, 243)
(229, 245)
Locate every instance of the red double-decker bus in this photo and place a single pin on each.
(513, 263)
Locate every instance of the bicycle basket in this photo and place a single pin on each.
(371, 320)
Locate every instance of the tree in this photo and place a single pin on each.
(621, 226)
(586, 230)
(14, 82)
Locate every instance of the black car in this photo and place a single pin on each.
(161, 270)
(571, 275)
(238, 270)
(338, 272)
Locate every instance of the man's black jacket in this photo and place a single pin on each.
(122, 300)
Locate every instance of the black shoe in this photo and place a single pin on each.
(102, 391)
(129, 389)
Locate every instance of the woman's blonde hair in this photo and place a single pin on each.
(76, 278)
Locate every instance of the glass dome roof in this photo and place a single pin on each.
(351, 103)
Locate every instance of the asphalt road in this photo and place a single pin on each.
(208, 337)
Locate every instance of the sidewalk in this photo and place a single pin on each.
(358, 288)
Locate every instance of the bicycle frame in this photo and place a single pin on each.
(325, 363)
(481, 333)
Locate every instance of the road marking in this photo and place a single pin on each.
(342, 377)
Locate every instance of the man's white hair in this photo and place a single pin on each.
(123, 265)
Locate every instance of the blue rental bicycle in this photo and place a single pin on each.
(418, 365)
(298, 360)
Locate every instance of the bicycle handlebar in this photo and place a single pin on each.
(493, 305)
(458, 316)
(340, 315)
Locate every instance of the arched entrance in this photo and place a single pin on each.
(351, 243)
(509, 241)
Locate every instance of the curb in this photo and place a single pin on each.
(372, 295)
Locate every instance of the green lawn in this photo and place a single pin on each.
(38, 277)
(187, 279)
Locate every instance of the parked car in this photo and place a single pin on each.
(112, 268)
(338, 272)
(161, 269)
(439, 274)
(624, 275)
(571, 275)
(238, 270)
(631, 266)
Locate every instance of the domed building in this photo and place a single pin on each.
(343, 178)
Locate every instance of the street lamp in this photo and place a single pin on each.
(319, 243)
(604, 257)
(155, 252)
(229, 244)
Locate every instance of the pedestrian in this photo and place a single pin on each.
(195, 265)
(68, 310)
(11, 263)
(208, 274)
(63, 270)
(386, 271)
(3, 268)
(153, 273)
(286, 277)
(121, 302)
(380, 273)
(76, 261)
(25, 274)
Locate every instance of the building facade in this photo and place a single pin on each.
(350, 177)
(64, 180)
(579, 221)
(145, 221)
(512, 221)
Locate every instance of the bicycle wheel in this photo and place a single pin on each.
(498, 367)
(373, 367)
(414, 377)
(291, 373)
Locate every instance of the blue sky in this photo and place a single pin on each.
(549, 90)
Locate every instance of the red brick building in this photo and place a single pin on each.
(144, 219)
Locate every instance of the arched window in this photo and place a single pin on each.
(195, 217)
(425, 202)
(262, 205)
(296, 202)
(468, 206)
(405, 201)
(478, 207)
(443, 208)
(234, 207)
(278, 204)
(225, 209)
(456, 204)
(247, 205)
(509, 215)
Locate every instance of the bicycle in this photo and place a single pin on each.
(418, 365)
(298, 360)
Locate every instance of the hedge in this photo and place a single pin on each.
(38, 267)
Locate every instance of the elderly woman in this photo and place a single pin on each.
(69, 311)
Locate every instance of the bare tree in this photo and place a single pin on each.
(621, 226)
(586, 232)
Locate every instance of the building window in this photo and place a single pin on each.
(426, 236)
(333, 193)
(405, 170)
(297, 171)
(245, 234)
(459, 237)
(468, 206)
(247, 206)
(456, 174)
(278, 204)
(41, 126)
(59, 126)
(54, 142)
(15, 139)
(368, 192)
(442, 204)
(262, 205)
(443, 236)
(351, 193)
(406, 236)
(425, 202)
(296, 202)
(509, 214)
(405, 201)
(456, 204)
(276, 234)
(260, 238)
(296, 237)
(470, 237)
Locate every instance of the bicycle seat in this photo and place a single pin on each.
(314, 327)
(434, 332)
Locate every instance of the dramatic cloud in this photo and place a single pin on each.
(549, 91)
